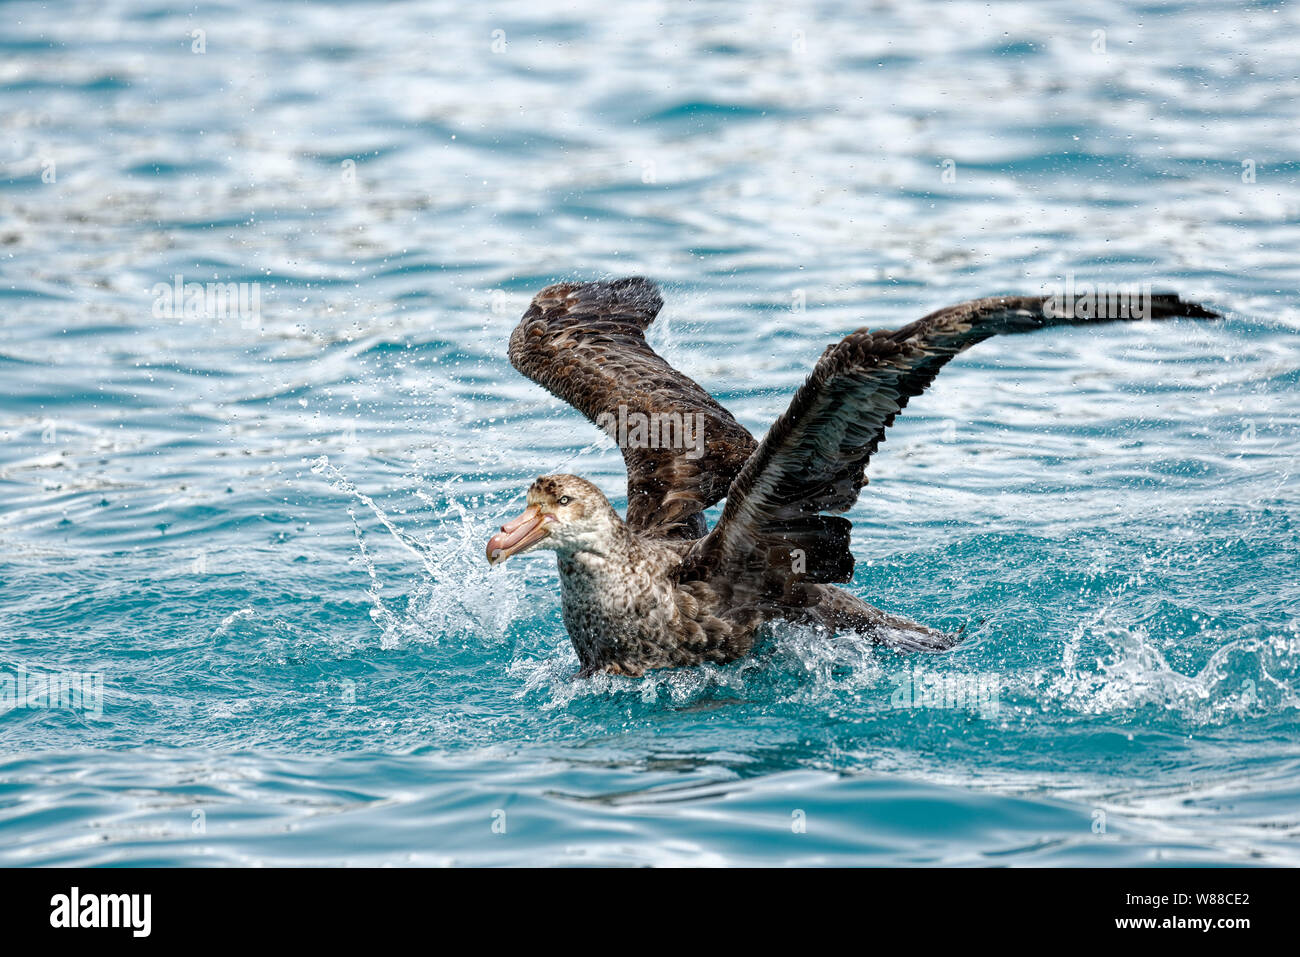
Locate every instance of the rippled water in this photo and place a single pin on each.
(263, 533)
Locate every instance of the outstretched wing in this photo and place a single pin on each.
(814, 458)
(585, 343)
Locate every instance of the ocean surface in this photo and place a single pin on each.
(247, 537)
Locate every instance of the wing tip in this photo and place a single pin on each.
(633, 296)
(1169, 305)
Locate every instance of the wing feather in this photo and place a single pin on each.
(815, 456)
(585, 343)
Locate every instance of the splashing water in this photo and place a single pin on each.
(456, 595)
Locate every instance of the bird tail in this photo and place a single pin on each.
(841, 612)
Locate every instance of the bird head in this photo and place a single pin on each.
(564, 513)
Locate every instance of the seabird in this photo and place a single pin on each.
(661, 590)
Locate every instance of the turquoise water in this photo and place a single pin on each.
(261, 535)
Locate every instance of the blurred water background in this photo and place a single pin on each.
(258, 529)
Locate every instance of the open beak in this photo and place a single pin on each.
(528, 529)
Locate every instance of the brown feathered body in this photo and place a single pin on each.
(661, 590)
(628, 611)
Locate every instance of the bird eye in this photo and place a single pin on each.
(564, 500)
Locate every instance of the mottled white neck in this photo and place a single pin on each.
(603, 536)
